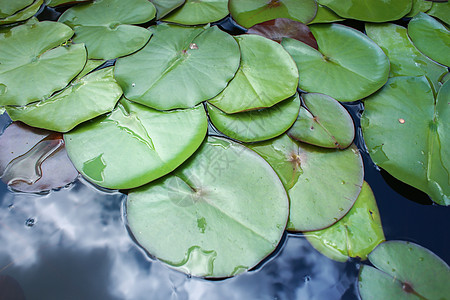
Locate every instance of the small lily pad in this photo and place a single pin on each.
(164, 7)
(257, 125)
(325, 15)
(430, 37)
(404, 270)
(356, 234)
(8, 7)
(266, 76)
(105, 26)
(348, 65)
(23, 14)
(204, 220)
(324, 123)
(135, 144)
(53, 3)
(419, 6)
(250, 12)
(305, 170)
(441, 10)
(180, 67)
(195, 12)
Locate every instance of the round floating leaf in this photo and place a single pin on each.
(324, 122)
(219, 214)
(250, 12)
(419, 6)
(356, 234)
(405, 271)
(430, 37)
(195, 12)
(163, 7)
(8, 7)
(266, 76)
(305, 170)
(348, 65)
(369, 10)
(180, 67)
(277, 29)
(104, 26)
(84, 99)
(135, 144)
(441, 11)
(53, 3)
(405, 59)
(257, 125)
(325, 15)
(407, 134)
(23, 14)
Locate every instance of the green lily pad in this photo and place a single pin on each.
(256, 125)
(28, 54)
(324, 123)
(250, 12)
(305, 170)
(419, 6)
(356, 234)
(104, 26)
(348, 65)
(159, 142)
(430, 37)
(325, 15)
(369, 10)
(188, 65)
(204, 219)
(266, 76)
(8, 7)
(85, 98)
(164, 7)
(407, 134)
(53, 3)
(404, 57)
(195, 12)
(404, 271)
(23, 14)
(441, 11)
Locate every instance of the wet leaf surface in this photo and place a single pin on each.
(164, 7)
(23, 14)
(194, 12)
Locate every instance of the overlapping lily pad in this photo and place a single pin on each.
(23, 14)
(8, 7)
(180, 67)
(250, 12)
(356, 234)
(419, 6)
(348, 65)
(266, 76)
(135, 144)
(195, 12)
(407, 133)
(104, 26)
(204, 220)
(404, 271)
(322, 183)
(28, 55)
(257, 125)
(441, 10)
(324, 122)
(164, 7)
(53, 3)
(325, 15)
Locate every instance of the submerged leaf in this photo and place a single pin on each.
(195, 12)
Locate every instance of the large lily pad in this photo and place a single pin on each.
(8, 7)
(430, 37)
(104, 26)
(324, 122)
(348, 65)
(404, 271)
(370, 10)
(266, 76)
(135, 144)
(325, 15)
(407, 133)
(164, 7)
(23, 14)
(356, 234)
(204, 219)
(305, 170)
(85, 98)
(441, 11)
(250, 12)
(180, 67)
(195, 12)
(257, 125)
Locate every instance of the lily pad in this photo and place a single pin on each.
(180, 67)
(204, 219)
(369, 10)
(404, 271)
(419, 6)
(257, 125)
(441, 11)
(250, 12)
(53, 3)
(324, 122)
(407, 133)
(164, 7)
(348, 65)
(430, 37)
(305, 170)
(23, 14)
(356, 234)
(325, 15)
(266, 76)
(85, 98)
(194, 12)
(8, 7)
(28, 54)
(135, 144)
